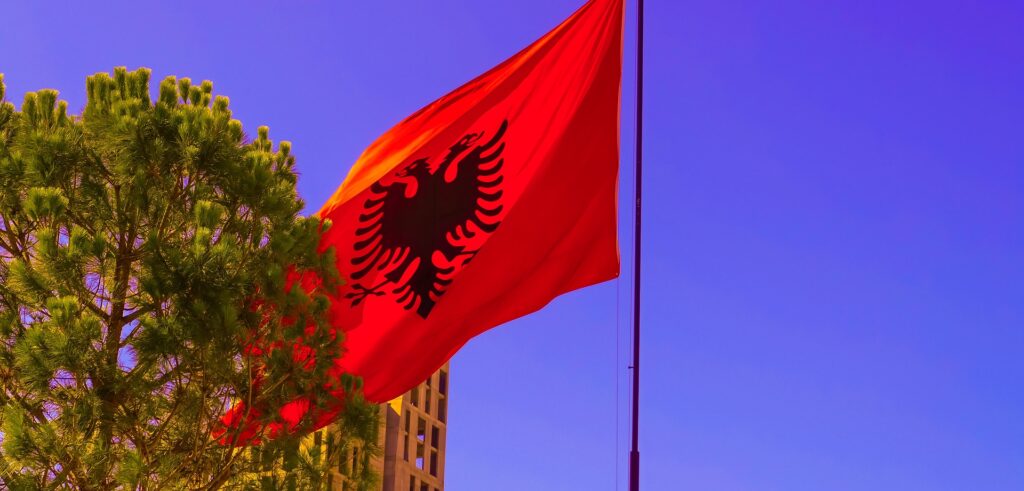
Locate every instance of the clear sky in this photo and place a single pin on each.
(834, 229)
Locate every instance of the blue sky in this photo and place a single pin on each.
(834, 229)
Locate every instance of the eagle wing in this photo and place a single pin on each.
(471, 201)
(382, 239)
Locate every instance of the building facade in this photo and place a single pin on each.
(412, 437)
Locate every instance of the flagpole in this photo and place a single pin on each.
(634, 453)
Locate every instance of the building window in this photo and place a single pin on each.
(435, 437)
(442, 409)
(405, 445)
(412, 483)
(408, 431)
(414, 396)
(426, 400)
(421, 430)
(424, 487)
(433, 463)
(442, 382)
(420, 457)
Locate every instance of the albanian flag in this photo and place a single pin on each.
(481, 207)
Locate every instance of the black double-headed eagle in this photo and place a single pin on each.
(423, 223)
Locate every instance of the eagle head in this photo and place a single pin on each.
(417, 169)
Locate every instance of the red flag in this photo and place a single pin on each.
(481, 207)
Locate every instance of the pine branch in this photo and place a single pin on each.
(108, 209)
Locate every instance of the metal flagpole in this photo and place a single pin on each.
(634, 453)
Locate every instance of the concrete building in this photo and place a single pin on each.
(412, 438)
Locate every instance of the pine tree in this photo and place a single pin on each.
(144, 246)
